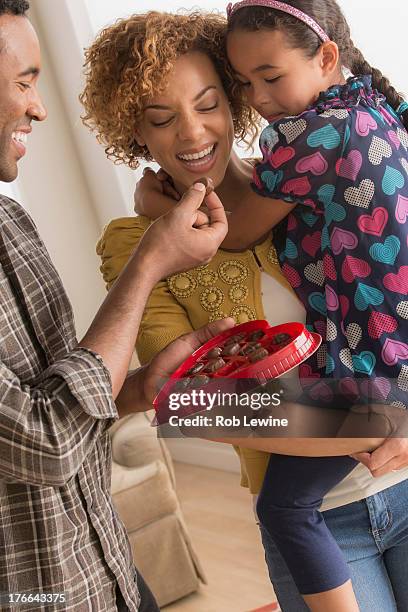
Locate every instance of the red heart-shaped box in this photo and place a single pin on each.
(279, 349)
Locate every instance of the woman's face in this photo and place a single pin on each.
(188, 128)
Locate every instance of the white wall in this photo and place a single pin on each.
(104, 11)
(54, 189)
(377, 28)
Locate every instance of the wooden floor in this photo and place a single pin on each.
(219, 516)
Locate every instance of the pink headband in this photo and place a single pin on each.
(285, 8)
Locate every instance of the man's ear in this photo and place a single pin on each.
(329, 57)
(139, 139)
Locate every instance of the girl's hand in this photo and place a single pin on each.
(167, 185)
(154, 195)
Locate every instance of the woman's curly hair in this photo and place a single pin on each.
(127, 65)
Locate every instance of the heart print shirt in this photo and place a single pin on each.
(345, 162)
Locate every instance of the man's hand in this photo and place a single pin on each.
(141, 387)
(172, 243)
(391, 456)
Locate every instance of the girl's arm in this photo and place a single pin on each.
(253, 219)
(154, 195)
(247, 223)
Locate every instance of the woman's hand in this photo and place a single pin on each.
(391, 456)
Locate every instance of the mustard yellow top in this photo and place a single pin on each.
(230, 285)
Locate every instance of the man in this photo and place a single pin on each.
(62, 545)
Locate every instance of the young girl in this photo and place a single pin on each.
(338, 150)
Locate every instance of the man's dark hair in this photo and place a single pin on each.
(14, 7)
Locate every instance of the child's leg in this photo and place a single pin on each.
(288, 507)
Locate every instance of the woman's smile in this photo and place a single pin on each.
(200, 160)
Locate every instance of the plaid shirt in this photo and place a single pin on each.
(59, 530)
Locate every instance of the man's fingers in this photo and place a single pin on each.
(213, 329)
(216, 210)
(192, 199)
(175, 353)
(200, 336)
(202, 218)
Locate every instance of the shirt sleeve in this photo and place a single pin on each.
(47, 430)
(300, 156)
(164, 320)
(117, 243)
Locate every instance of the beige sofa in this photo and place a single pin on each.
(143, 489)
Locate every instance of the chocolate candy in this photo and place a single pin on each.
(197, 368)
(214, 353)
(237, 351)
(199, 381)
(250, 348)
(231, 349)
(208, 184)
(256, 335)
(215, 364)
(234, 339)
(280, 338)
(258, 355)
(181, 384)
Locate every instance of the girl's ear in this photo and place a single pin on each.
(329, 57)
(139, 139)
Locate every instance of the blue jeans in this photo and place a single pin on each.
(373, 535)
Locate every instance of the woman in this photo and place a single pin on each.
(156, 89)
